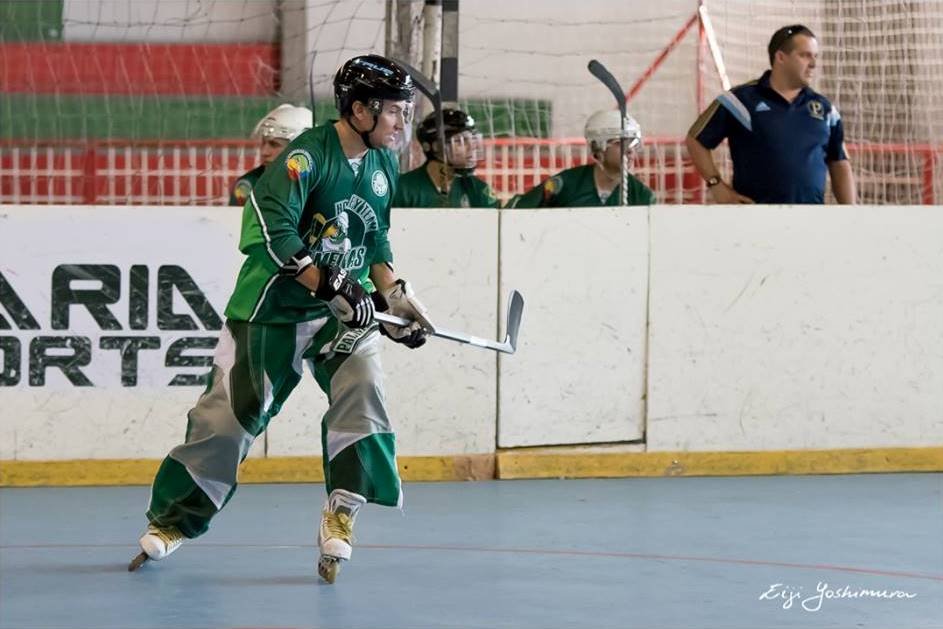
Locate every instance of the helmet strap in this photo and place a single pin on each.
(442, 175)
(365, 135)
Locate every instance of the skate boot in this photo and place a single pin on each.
(336, 531)
(156, 543)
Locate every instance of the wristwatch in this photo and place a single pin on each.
(713, 181)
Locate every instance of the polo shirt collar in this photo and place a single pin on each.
(763, 82)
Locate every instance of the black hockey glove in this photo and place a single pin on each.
(346, 298)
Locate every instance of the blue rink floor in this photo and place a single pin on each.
(745, 553)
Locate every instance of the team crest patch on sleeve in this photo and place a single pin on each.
(242, 190)
(380, 185)
(553, 186)
(299, 164)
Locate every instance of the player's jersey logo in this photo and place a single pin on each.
(299, 164)
(330, 235)
(380, 184)
(331, 245)
(242, 190)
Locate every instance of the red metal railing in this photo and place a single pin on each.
(202, 172)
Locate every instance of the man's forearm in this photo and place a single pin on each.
(382, 275)
(701, 158)
(309, 278)
(843, 182)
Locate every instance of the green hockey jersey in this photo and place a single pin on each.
(416, 189)
(312, 199)
(575, 187)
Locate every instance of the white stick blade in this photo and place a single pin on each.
(515, 312)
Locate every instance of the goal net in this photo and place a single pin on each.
(140, 101)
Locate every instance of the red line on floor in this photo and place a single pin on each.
(534, 551)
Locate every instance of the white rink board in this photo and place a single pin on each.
(578, 375)
(796, 327)
(59, 420)
(771, 328)
(441, 397)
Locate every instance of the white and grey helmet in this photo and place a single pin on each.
(606, 125)
(285, 122)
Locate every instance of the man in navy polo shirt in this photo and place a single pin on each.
(783, 135)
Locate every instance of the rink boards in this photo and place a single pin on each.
(665, 329)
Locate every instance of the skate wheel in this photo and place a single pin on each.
(138, 561)
(328, 567)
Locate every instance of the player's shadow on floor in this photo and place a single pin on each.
(72, 568)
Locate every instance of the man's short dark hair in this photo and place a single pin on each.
(782, 39)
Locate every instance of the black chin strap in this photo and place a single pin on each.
(364, 135)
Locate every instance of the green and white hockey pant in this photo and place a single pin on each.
(256, 366)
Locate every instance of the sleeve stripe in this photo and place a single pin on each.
(833, 116)
(703, 119)
(268, 240)
(733, 104)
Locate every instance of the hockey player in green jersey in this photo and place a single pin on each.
(279, 127)
(314, 233)
(447, 177)
(596, 184)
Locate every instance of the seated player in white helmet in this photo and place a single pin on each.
(447, 178)
(596, 184)
(279, 127)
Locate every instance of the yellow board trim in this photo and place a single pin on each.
(507, 464)
(292, 469)
(549, 464)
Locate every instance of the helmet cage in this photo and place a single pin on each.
(464, 146)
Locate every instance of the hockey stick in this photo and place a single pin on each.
(599, 71)
(314, 115)
(508, 346)
(427, 87)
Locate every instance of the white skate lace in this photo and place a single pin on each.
(171, 535)
(339, 526)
